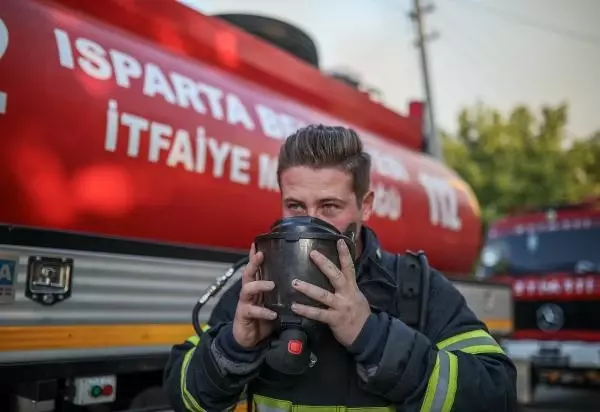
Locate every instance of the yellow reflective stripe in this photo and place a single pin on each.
(479, 349)
(443, 381)
(474, 342)
(442, 385)
(452, 383)
(190, 403)
(431, 386)
(195, 339)
(265, 404)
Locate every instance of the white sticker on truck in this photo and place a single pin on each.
(8, 277)
(3, 47)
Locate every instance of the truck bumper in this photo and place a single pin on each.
(570, 354)
(556, 362)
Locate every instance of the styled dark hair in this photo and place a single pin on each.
(320, 146)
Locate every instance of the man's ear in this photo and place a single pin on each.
(367, 205)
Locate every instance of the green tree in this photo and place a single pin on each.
(520, 159)
(585, 162)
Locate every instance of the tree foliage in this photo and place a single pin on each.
(522, 160)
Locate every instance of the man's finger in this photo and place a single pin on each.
(346, 262)
(321, 315)
(251, 268)
(316, 293)
(257, 312)
(335, 276)
(251, 289)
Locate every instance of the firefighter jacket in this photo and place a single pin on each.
(452, 365)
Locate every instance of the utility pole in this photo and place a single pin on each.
(416, 15)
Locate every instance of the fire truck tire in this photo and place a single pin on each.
(149, 397)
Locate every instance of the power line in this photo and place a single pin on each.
(533, 23)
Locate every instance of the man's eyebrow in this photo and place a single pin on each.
(322, 200)
(331, 199)
(292, 200)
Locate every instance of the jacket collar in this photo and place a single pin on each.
(377, 282)
(370, 249)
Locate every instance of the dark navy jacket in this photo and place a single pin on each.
(454, 365)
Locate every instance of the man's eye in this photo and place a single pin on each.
(331, 208)
(294, 206)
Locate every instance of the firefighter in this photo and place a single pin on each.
(370, 360)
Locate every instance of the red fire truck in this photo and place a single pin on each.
(139, 145)
(551, 257)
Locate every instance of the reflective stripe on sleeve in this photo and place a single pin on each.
(190, 403)
(441, 388)
(443, 382)
(265, 404)
(188, 400)
(195, 339)
(474, 342)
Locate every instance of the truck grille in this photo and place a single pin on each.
(578, 315)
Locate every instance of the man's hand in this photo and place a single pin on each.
(252, 322)
(348, 308)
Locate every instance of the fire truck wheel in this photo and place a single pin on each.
(149, 397)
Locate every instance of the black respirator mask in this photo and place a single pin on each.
(286, 250)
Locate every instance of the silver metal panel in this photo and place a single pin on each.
(110, 288)
(72, 354)
(580, 354)
(489, 302)
(113, 289)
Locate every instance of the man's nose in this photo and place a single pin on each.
(312, 212)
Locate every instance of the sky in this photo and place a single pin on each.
(502, 53)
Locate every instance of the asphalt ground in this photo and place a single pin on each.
(557, 399)
(562, 400)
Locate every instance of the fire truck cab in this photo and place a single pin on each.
(551, 257)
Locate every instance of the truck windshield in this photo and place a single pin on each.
(541, 252)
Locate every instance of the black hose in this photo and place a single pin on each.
(213, 290)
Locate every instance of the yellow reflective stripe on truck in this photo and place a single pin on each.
(60, 337)
(499, 326)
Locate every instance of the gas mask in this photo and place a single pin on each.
(286, 250)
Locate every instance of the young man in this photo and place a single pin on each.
(370, 361)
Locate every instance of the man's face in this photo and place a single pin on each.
(323, 193)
